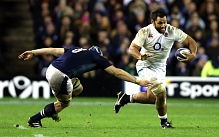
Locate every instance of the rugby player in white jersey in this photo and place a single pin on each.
(154, 43)
(62, 76)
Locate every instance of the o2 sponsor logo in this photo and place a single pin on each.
(22, 87)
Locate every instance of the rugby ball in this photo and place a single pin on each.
(179, 53)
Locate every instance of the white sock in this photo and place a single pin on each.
(131, 100)
(163, 117)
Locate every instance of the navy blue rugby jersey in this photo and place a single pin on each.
(76, 61)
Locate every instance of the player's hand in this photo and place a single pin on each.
(146, 56)
(26, 55)
(189, 57)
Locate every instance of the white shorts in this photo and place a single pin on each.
(59, 82)
(148, 73)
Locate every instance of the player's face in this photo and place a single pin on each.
(160, 24)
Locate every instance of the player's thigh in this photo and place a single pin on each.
(64, 93)
(144, 97)
(146, 73)
(59, 82)
(149, 74)
(64, 99)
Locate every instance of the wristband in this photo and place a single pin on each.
(33, 53)
(144, 57)
(137, 81)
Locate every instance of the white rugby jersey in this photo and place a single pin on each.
(151, 41)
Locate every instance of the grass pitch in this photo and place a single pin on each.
(94, 117)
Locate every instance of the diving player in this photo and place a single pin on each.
(62, 76)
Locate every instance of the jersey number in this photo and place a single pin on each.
(78, 50)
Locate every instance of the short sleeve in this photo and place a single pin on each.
(65, 50)
(140, 37)
(180, 36)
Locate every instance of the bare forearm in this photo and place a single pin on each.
(45, 51)
(193, 46)
(42, 51)
(121, 74)
(134, 51)
(190, 42)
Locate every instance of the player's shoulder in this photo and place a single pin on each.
(170, 28)
(145, 29)
(148, 27)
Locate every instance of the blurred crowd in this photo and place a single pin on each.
(112, 24)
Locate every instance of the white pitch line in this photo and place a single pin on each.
(76, 103)
(39, 135)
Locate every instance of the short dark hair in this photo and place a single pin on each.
(158, 13)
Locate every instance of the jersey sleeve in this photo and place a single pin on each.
(140, 37)
(65, 50)
(180, 36)
(102, 62)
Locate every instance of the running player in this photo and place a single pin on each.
(155, 42)
(62, 76)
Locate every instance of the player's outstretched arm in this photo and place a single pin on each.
(121, 74)
(26, 55)
(44, 51)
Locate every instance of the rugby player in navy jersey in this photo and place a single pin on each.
(62, 76)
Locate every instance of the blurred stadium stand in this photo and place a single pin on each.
(16, 36)
(19, 31)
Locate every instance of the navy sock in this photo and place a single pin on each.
(36, 117)
(48, 111)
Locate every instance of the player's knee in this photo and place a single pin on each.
(77, 88)
(159, 88)
(60, 105)
(160, 93)
(64, 103)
